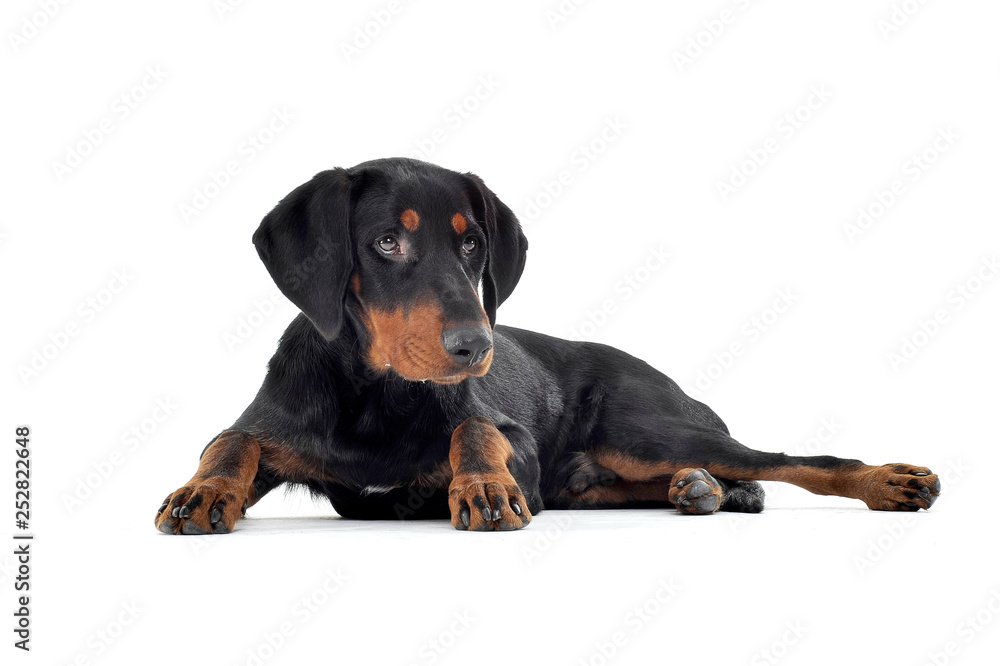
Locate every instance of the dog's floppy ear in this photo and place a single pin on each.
(305, 243)
(506, 245)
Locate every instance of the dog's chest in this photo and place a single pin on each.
(379, 490)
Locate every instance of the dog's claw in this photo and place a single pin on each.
(494, 506)
(900, 487)
(201, 508)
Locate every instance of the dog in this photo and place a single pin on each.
(395, 394)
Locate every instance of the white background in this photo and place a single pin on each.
(858, 586)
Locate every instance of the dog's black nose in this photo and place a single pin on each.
(468, 346)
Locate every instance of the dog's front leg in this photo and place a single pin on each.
(219, 492)
(483, 495)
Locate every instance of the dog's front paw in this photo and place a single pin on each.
(211, 506)
(900, 487)
(487, 502)
(695, 491)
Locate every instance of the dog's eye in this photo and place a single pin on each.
(470, 245)
(388, 245)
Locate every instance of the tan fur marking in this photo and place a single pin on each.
(459, 222)
(477, 437)
(233, 455)
(410, 219)
(632, 469)
(293, 465)
(408, 340)
(620, 492)
(479, 455)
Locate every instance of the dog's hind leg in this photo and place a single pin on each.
(592, 485)
(686, 453)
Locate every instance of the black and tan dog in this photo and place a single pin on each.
(394, 394)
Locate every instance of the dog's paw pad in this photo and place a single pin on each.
(695, 491)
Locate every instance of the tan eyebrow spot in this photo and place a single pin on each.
(410, 219)
(458, 221)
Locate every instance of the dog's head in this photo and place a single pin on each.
(398, 248)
